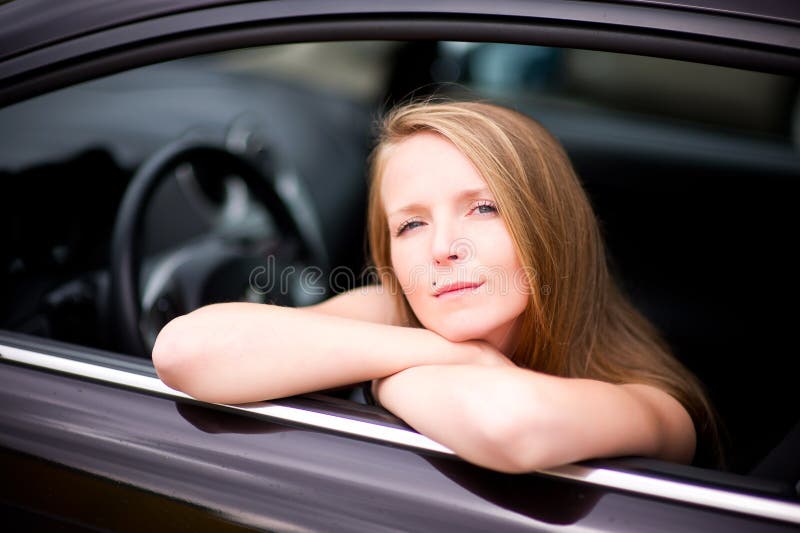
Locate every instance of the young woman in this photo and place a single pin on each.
(496, 330)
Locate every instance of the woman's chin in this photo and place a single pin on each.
(462, 325)
(466, 328)
(460, 333)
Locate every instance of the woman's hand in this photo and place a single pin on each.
(475, 352)
(485, 354)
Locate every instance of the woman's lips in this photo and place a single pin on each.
(453, 289)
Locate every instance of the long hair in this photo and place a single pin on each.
(577, 322)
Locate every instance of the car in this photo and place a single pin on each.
(160, 156)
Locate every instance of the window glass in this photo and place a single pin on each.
(701, 94)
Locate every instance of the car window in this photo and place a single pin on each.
(692, 169)
(678, 91)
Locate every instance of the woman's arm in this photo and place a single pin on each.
(240, 352)
(516, 420)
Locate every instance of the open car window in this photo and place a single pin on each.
(692, 169)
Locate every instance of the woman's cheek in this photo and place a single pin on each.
(407, 275)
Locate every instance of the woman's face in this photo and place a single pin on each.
(445, 228)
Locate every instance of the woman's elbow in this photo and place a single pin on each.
(511, 437)
(174, 351)
(513, 447)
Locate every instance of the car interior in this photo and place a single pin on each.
(137, 197)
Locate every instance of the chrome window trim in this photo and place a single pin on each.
(268, 409)
(604, 477)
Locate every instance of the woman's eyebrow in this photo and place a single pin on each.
(463, 195)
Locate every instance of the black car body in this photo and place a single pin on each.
(90, 438)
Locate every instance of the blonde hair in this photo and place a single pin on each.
(577, 322)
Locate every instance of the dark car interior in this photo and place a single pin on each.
(693, 171)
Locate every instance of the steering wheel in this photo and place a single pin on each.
(227, 264)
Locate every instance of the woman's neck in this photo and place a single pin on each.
(505, 337)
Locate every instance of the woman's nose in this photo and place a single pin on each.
(444, 250)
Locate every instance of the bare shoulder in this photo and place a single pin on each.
(371, 303)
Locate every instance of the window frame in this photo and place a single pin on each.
(729, 40)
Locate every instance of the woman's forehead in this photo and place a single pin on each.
(427, 167)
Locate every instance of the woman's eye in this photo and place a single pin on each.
(406, 225)
(485, 207)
